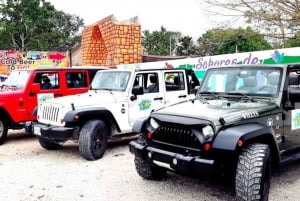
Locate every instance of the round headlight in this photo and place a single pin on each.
(208, 132)
(154, 123)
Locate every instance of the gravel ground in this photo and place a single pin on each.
(28, 172)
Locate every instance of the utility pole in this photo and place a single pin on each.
(70, 56)
(170, 45)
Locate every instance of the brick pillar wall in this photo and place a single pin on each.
(108, 43)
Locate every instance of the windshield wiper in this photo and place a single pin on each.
(106, 89)
(243, 95)
(9, 86)
(204, 99)
(209, 93)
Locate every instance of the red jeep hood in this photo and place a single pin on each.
(10, 92)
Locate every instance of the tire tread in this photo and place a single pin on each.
(253, 164)
(147, 170)
(86, 140)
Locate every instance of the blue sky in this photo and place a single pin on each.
(185, 16)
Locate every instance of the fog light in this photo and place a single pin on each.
(149, 154)
(174, 161)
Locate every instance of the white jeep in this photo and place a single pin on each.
(109, 109)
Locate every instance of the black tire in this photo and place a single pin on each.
(28, 128)
(148, 170)
(93, 140)
(3, 130)
(252, 181)
(46, 144)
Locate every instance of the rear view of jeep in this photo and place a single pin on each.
(243, 122)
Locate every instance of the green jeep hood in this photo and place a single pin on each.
(229, 111)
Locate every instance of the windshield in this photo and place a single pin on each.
(111, 80)
(254, 81)
(17, 79)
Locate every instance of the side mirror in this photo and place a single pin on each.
(195, 90)
(35, 88)
(136, 90)
(293, 96)
(289, 105)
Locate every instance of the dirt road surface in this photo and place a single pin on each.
(30, 173)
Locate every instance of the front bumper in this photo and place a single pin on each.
(54, 133)
(190, 165)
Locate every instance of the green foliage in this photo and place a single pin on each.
(166, 43)
(213, 42)
(293, 42)
(185, 46)
(159, 42)
(36, 25)
(225, 41)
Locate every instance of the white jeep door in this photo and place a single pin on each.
(151, 99)
(175, 86)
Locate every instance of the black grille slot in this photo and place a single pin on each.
(50, 112)
(176, 136)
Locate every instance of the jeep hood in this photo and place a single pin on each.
(7, 93)
(87, 99)
(218, 109)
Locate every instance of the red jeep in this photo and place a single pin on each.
(20, 93)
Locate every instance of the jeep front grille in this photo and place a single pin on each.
(49, 112)
(182, 137)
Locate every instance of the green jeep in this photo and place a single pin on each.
(244, 121)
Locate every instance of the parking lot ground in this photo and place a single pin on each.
(30, 173)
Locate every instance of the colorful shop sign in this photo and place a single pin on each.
(14, 60)
(200, 64)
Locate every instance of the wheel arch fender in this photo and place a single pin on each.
(4, 113)
(83, 115)
(139, 125)
(35, 111)
(228, 138)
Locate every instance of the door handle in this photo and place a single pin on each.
(58, 95)
(182, 96)
(158, 98)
